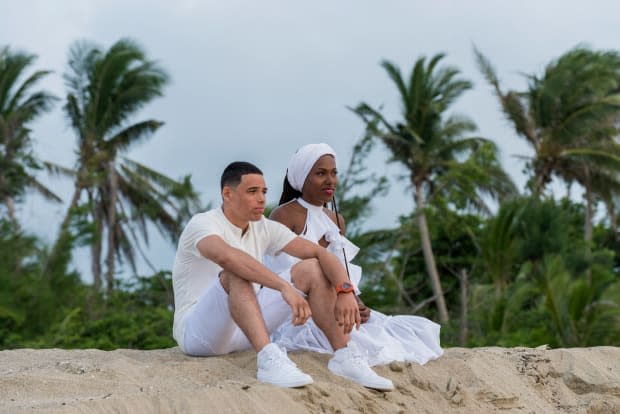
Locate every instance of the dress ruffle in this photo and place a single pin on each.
(383, 338)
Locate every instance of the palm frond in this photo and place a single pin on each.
(131, 135)
(611, 160)
(510, 102)
(489, 73)
(56, 169)
(43, 190)
(369, 114)
(394, 74)
(12, 66)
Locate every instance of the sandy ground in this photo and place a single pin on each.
(481, 380)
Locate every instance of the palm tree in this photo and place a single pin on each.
(105, 90)
(432, 146)
(19, 106)
(569, 117)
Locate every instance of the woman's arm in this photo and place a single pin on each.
(364, 310)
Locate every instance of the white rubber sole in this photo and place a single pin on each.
(289, 384)
(368, 384)
(379, 387)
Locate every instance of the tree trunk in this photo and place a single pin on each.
(8, 201)
(429, 257)
(613, 217)
(10, 207)
(113, 182)
(63, 233)
(95, 247)
(589, 213)
(589, 208)
(542, 175)
(74, 202)
(463, 278)
(588, 223)
(539, 185)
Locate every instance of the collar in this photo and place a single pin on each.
(237, 230)
(310, 207)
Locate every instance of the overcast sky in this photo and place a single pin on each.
(254, 80)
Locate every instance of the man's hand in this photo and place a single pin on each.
(299, 305)
(346, 312)
(364, 311)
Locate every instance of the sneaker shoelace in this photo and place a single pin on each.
(282, 359)
(358, 358)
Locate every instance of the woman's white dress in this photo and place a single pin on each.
(383, 338)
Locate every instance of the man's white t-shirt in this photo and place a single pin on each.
(192, 273)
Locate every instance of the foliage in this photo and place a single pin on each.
(64, 312)
(29, 301)
(20, 105)
(138, 314)
(550, 287)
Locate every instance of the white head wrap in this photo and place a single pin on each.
(302, 161)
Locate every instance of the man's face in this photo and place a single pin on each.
(246, 201)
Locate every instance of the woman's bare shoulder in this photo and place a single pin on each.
(291, 214)
(285, 209)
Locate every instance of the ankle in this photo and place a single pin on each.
(260, 348)
(340, 343)
(340, 350)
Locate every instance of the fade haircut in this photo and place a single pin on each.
(235, 170)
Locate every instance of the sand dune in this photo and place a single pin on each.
(481, 380)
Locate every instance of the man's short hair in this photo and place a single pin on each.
(235, 170)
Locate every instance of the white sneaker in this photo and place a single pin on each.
(274, 367)
(349, 363)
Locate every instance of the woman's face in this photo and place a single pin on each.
(321, 182)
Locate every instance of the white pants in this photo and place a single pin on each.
(211, 330)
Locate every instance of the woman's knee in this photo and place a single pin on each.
(307, 273)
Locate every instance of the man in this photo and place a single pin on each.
(226, 300)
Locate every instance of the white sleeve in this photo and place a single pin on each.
(199, 227)
(279, 236)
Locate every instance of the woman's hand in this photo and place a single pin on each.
(346, 312)
(364, 311)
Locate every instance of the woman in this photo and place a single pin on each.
(310, 181)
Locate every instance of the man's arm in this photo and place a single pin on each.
(246, 267)
(239, 262)
(304, 249)
(346, 310)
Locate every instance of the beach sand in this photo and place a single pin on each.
(479, 380)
